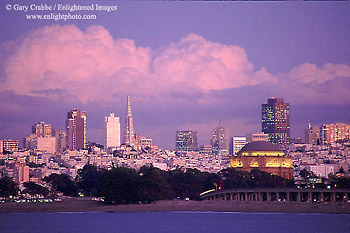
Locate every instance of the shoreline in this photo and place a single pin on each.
(87, 205)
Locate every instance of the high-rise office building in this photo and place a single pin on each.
(76, 129)
(112, 131)
(42, 129)
(219, 141)
(186, 140)
(129, 125)
(275, 120)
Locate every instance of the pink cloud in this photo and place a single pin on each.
(311, 73)
(66, 58)
(317, 85)
(91, 65)
(194, 62)
(66, 63)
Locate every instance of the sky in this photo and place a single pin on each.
(186, 66)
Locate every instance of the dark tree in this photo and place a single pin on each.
(34, 165)
(153, 185)
(254, 179)
(119, 185)
(189, 183)
(8, 187)
(307, 174)
(35, 189)
(341, 182)
(62, 183)
(89, 180)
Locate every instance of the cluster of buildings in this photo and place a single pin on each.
(49, 150)
(275, 126)
(327, 133)
(322, 160)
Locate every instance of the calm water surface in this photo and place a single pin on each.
(171, 222)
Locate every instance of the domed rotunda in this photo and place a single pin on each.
(264, 156)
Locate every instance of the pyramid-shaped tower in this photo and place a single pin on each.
(129, 125)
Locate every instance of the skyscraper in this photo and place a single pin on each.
(219, 141)
(129, 125)
(186, 140)
(42, 129)
(112, 131)
(275, 120)
(76, 129)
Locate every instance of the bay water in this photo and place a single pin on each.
(173, 222)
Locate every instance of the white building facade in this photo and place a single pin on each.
(238, 143)
(112, 131)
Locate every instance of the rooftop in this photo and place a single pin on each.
(260, 146)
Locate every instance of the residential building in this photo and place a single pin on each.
(21, 173)
(322, 170)
(258, 137)
(76, 129)
(47, 144)
(9, 145)
(146, 142)
(61, 139)
(238, 143)
(331, 133)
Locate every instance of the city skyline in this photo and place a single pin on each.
(185, 65)
(43, 129)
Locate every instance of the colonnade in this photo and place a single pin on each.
(287, 195)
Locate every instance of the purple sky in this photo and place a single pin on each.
(185, 64)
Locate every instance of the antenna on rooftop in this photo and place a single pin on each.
(308, 124)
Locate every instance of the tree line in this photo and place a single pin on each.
(149, 184)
